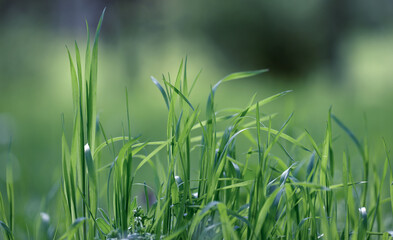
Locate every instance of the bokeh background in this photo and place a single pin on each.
(330, 53)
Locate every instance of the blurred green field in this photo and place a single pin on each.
(35, 90)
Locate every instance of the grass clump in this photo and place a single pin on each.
(226, 175)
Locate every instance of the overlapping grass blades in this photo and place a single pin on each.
(252, 181)
(271, 186)
(79, 174)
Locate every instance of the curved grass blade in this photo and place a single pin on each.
(7, 230)
(264, 212)
(233, 76)
(238, 75)
(163, 93)
(281, 135)
(269, 99)
(349, 132)
(199, 216)
(119, 139)
(226, 225)
(179, 93)
(103, 225)
(236, 185)
(148, 157)
(194, 82)
(74, 228)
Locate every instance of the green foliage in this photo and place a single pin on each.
(81, 206)
(7, 224)
(253, 180)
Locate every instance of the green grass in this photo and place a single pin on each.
(7, 223)
(218, 173)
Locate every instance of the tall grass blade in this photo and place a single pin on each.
(92, 83)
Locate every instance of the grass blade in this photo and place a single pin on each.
(163, 93)
(74, 228)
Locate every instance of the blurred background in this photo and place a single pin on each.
(330, 53)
